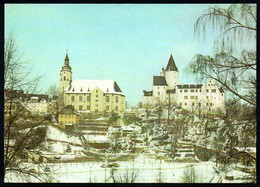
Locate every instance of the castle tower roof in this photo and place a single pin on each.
(171, 65)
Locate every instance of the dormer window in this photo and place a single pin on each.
(73, 89)
(81, 89)
(88, 90)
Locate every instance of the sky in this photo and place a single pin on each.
(128, 43)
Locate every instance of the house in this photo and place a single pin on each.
(68, 118)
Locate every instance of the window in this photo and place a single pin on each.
(191, 90)
(116, 108)
(181, 91)
(192, 104)
(96, 100)
(80, 107)
(107, 98)
(185, 103)
(96, 91)
(200, 90)
(88, 107)
(210, 104)
(88, 98)
(207, 97)
(180, 103)
(185, 90)
(196, 97)
(96, 95)
(207, 90)
(207, 104)
(96, 110)
(213, 90)
(107, 108)
(72, 98)
(116, 99)
(185, 97)
(158, 93)
(80, 98)
(199, 104)
(196, 90)
(192, 97)
(96, 105)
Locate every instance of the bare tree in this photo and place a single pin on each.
(125, 177)
(190, 175)
(23, 136)
(233, 65)
(53, 90)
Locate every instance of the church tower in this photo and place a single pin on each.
(171, 73)
(65, 74)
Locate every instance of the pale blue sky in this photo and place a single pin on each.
(126, 43)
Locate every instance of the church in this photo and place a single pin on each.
(199, 98)
(95, 96)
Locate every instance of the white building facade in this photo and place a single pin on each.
(99, 96)
(199, 98)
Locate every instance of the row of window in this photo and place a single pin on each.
(196, 90)
(191, 97)
(88, 107)
(88, 98)
(196, 97)
(199, 104)
(66, 116)
(66, 122)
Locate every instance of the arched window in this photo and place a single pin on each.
(64, 78)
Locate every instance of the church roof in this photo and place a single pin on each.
(159, 81)
(171, 65)
(86, 86)
(189, 86)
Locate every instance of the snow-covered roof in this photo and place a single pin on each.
(86, 86)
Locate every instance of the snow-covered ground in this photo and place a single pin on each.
(147, 172)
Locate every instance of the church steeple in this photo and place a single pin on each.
(66, 65)
(66, 60)
(171, 65)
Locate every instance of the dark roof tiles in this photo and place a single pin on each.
(189, 86)
(159, 81)
(171, 65)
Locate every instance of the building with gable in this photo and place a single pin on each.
(98, 96)
(203, 98)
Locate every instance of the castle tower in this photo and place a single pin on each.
(171, 73)
(65, 74)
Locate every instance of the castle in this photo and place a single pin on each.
(199, 98)
(98, 96)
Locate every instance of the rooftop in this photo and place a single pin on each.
(159, 81)
(86, 86)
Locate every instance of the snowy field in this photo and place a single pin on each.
(147, 172)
